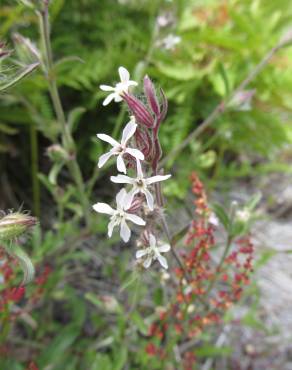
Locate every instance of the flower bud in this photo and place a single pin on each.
(151, 95)
(139, 110)
(26, 48)
(57, 153)
(15, 224)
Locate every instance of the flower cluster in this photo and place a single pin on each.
(206, 288)
(138, 151)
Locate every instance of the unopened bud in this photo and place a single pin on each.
(27, 48)
(57, 153)
(15, 224)
(139, 110)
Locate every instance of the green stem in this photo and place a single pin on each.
(34, 169)
(224, 255)
(67, 139)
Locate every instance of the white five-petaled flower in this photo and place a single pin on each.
(119, 149)
(120, 88)
(119, 216)
(153, 252)
(140, 185)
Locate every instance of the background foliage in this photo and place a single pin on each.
(221, 42)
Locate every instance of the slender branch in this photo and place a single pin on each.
(173, 251)
(222, 106)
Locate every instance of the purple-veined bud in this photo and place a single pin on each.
(137, 203)
(164, 106)
(139, 110)
(151, 95)
(130, 160)
(144, 143)
(15, 224)
(157, 155)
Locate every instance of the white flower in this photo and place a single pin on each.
(213, 219)
(140, 185)
(120, 88)
(170, 41)
(119, 216)
(119, 149)
(153, 252)
(243, 215)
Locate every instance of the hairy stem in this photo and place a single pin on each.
(34, 169)
(67, 139)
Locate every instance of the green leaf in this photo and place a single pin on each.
(213, 351)
(74, 118)
(222, 215)
(121, 356)
(54, 352)
(18, 76)
(180, 71)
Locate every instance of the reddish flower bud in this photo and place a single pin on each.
(151, 96)
(139, 110)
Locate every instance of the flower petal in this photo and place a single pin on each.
(103, 208)
(108, 99)
(135, 219)
(164, 248)
(106, 88)
(152, 241)
(104, 158)
(125, 231)
(128, 132)
(147, 262)
(149, 199)
(118, 98)
(139, 170)
(124, 74)
(135, 153)
(120, 198)
(110, 227)
(141, 253)
(158, 178)
(121, 164)
(108, 139)
(129, 198)
(122, 179)
(132, 83)
(162, 260)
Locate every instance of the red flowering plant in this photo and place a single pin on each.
(14, 301)
(208, 282)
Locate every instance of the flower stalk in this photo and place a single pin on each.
(67, 139)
